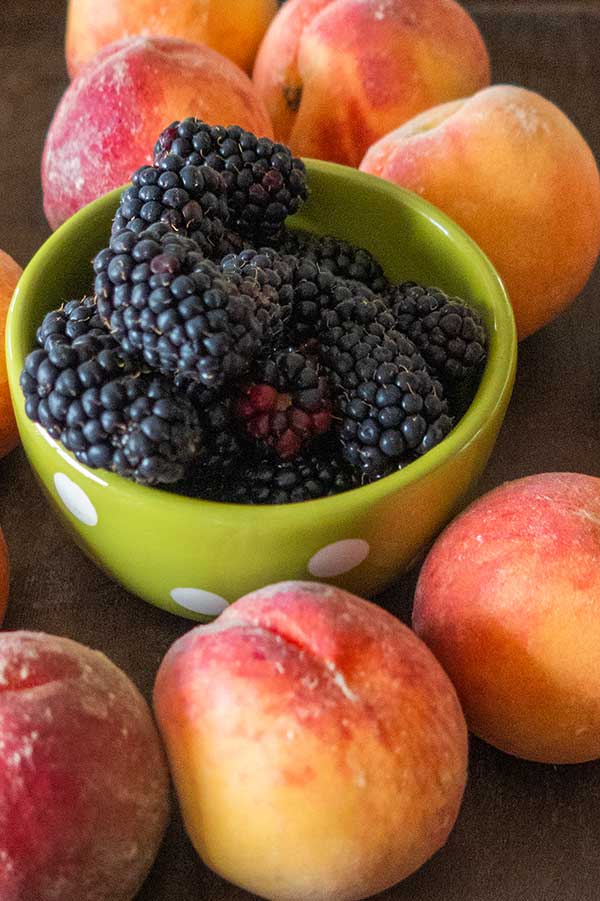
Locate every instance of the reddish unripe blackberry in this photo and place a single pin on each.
(289, 404)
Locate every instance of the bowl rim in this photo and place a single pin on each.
(497, 378)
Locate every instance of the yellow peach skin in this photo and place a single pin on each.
(317, 748)
(10, 273)
(518, 176)
(235, 29)
(336, 75)
(508, 600)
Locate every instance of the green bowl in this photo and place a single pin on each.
(191, 556)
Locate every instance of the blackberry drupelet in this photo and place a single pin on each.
(264, 182)
(336, 256)
(307, 477)
(288, 405)
(450, 335)
(91, 396)
(189, 199)
(162, 299)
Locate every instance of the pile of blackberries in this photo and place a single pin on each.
(228, 356)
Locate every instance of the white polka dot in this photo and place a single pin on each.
(75, 499)
(199, 601)
(339, 557)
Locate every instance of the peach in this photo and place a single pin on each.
(4, 576)
(317, 747)
(112, 113)
(508, 600)
(84, 785)
(336, 75)
(518, 176)
(234, 29)
(10, 273)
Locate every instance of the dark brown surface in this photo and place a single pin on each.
(525, 831)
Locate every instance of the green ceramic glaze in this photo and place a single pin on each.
(180, 553)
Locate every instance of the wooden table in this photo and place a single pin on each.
(525, 831)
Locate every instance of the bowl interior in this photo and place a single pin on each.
(410, 238)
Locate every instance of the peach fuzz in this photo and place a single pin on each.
(10, 273)
(509, 602)
(84, 791)
(233, 29)
(517, 175)
(317, 747)
(336, 75)
(110, 116)
(4, 576)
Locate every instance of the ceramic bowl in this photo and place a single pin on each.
(192, 557)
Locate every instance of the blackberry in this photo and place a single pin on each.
(356, 334)
(231, 243)
(225, 444)
(302, 288)
(392, 408)
(189, 199)
(357, 309)
(307, 477)
(450, 335)
(271, 275)
(336, 256)
(224, 441)
(161, 298)
(316, 291)
(89, 395)
(264, 182)
(288, 405)
(73, 319)
(225, 448)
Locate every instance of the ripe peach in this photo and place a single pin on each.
(234, 29)
(10, 273)
(336, 76)
(111, 114)
(317, 747)
(83, 779)
(4, 576)
(518, 176)
(509, 601)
